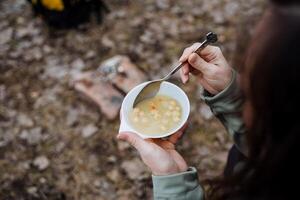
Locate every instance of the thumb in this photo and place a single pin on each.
(199, 63)
(136, 141)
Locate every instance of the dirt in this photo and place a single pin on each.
(45, 152)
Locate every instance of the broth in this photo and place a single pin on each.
(156, 115)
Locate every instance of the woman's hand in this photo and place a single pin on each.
(211, 68)
(159, 155)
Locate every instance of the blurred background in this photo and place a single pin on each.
(56, 141)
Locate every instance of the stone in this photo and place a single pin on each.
(78, 64)
(107, 189)
(6, 36)
(59, 147)
(148, 37)
(20, 20)
(29, 30)
(125, 194)
(163, 4)
(22, 45)
(33, 54)
(100, 92)
(90, 54)
(112, 159)
(89, 130)
(2, 92)
(134, 168)
(72, 116)
(221, 137)
(203, 151)
(221, 156)
(231, 8)
(24, 121)
(32, 190)
(21, 32)
(205, 112)
(38, 40)
(107, 42)
(129, 75)
(114, 175)
(47, 49)
(218, 16)
(56, 72)
(41, 162)
(3, 143)
(6, 137)
(33, 136)
(76, 67)
(24, 165)
(3, 24)
(122, 146)
(42, 180)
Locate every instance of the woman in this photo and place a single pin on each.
(264, 97)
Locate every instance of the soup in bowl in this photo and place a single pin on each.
(156, 117)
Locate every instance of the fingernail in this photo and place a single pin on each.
(181, 59)
(120, 136)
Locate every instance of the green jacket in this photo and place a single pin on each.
(227, 107)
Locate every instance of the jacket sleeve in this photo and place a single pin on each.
(227, 106)
(181, 186)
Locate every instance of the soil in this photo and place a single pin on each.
(54, 144)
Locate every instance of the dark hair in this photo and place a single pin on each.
(272, 73)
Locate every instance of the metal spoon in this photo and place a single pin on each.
(151, 88)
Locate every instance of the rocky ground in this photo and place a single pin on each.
(54, 143)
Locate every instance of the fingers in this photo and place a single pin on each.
(184, 73)
(188, 51)
(165, 144)
(137, 142)
(210, 52)
(176, 136)
(199, 63)
(207, 54)
(186, 70)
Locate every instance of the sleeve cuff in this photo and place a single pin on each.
(231, 88)
(176, 183)
(230, 100)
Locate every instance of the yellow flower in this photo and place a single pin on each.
(57, 5)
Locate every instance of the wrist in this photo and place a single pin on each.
(222, 84)
(227, 81)
(231, 91)
(170, 171)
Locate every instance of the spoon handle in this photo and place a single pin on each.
(179, 65)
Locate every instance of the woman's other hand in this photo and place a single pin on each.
(211, 68)
(159, 155)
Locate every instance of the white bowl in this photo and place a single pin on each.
(167, 89)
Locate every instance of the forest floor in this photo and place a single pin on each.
(44, 153)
